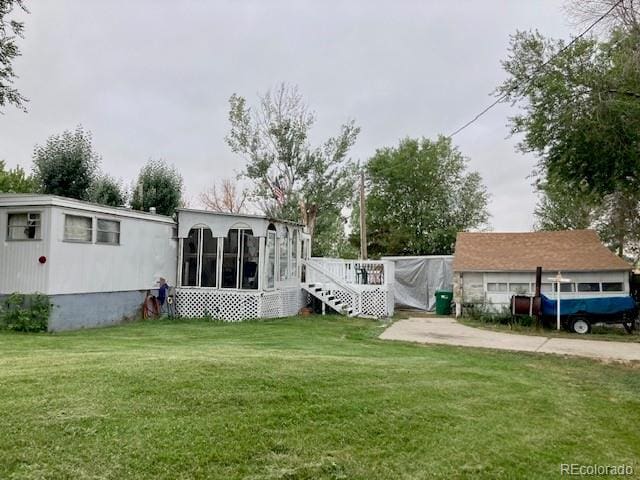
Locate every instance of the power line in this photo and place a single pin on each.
(537, 70)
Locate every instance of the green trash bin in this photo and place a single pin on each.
(443, 302)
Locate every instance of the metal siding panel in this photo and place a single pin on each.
(147, 251)
(20, 270)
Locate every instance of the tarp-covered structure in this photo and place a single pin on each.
(418, 278)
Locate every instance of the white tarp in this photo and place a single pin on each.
(418, 278)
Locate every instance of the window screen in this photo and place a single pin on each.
(190, 258)
(271, 258)
(249, 261)
(589, 287)
(612, 286)
(209, 259)
(24, 226)
(284, 256)
(230, 259)
(294, 253)
(78, 229)
(108, 232)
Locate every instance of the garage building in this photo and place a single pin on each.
(489, 267)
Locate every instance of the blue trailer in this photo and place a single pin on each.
(578, 314)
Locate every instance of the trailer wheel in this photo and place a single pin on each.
(628, 326)
(580, 325)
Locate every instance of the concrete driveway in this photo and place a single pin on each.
(446, 331)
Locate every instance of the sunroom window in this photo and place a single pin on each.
(294, 253)
(209, 259)
(190, 247)
(240, 265)
(284, 255)
(271, 258)
(199, 258)
(24, 226)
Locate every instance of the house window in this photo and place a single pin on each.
(565, 287)
(588, 287)
(497, 287)
(271, 258)
(546, 287)
(284, 255)
(24, 226)
(108, 232)
(190, 247)
(78, 229)
(612, 287)
(519, 288)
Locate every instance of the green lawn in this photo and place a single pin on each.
(316, 397)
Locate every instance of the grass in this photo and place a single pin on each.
(301, 398)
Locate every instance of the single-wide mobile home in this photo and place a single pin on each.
(95, 263)
(488, 268)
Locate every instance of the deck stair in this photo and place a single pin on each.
(325, 288)
(329, 299)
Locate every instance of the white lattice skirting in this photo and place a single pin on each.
(234, 305)
(376, 301)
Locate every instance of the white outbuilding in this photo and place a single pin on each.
(490, 267)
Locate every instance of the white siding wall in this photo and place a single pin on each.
(147, 251)
(475, 285)
(20, 270)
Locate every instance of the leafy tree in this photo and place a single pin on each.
(580, 114)
(66, 165)
(292, 179)
(106, 190)
(420, 196)
(159, 186)
(10, 30)
(15, 180)
(561, 208)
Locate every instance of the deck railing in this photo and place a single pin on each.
(358, 272)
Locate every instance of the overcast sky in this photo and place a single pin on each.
(152, 79)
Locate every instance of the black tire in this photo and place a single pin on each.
(629, 326)
(580, 325)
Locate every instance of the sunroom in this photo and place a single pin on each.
(236, 267)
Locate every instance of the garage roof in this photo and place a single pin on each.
(567, 250)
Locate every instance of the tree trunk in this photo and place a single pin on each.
(309, 213)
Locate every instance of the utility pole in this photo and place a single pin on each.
(363, 219)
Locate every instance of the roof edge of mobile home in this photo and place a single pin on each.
(42, 200)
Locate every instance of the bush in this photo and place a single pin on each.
(485, 313)
(25, 313)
